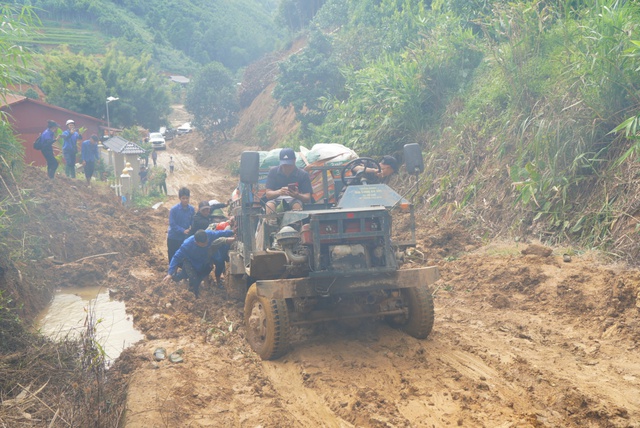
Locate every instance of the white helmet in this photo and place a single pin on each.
(70, 121)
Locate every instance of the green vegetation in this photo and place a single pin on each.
(263, 133)
(296, 14)
(92, 49)
(513, 102)
(177, 35)
(88, 41)
(82, 83)
(305, 79)
(14, 68)
(212, 99)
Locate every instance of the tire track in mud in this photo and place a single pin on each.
(552, 358)
(518, 341)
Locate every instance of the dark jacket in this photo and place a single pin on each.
(48, 138)
(200, 222)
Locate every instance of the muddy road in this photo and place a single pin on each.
(521, 339)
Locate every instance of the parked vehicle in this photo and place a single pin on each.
(328, 262)
(157, 141)
(185, 128)
(167, 133)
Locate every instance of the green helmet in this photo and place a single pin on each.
(218, 213)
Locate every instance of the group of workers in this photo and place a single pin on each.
(70, 138)
(199, 243)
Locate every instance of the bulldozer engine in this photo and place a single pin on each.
(345, 257)
(288, 238)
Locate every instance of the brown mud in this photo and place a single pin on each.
(521, 338)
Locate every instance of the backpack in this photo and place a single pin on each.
(38, 144)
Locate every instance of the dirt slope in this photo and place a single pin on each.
(522, 340)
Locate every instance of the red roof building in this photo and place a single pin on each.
(28, 118)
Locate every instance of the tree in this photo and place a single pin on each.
(32, 94)
(296, 14)
(82, 84)
(212, 99)
(144, 96)
(74, 82)
(307, 77)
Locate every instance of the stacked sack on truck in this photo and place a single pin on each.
(325, 155)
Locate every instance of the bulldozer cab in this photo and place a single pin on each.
(349, 192)
(336, 186)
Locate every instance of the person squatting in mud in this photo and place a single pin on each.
(180, 219)
(195, 258)
(216, 220)
(209, 215)
(221, 256)
(202, 219)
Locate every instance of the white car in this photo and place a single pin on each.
(157, 140)
(185, 128)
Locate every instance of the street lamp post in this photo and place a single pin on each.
(109, 99)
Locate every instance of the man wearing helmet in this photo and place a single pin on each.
(70, 148)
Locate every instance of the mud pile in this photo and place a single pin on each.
(63, 234)
(72, 235)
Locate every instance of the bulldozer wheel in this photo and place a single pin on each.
(420, 320)
(267, 324)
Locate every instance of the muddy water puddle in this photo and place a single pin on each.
(67, 312)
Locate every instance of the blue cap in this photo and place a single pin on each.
(287, 157)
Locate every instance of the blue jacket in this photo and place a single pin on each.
(90, 152)
(70, 141)
(179, 221)
(198, 256)
(48, 138)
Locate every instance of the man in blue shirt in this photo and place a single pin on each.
(287, 184)
(195, 257)
(48, 137)
(70, 139)
(90, 156)
(180, 219)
